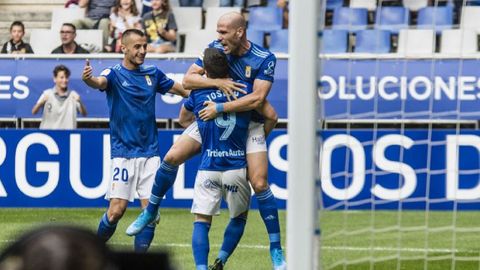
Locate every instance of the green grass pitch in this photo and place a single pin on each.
(351, 240)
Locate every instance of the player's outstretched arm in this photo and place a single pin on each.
(177, 89)
(194, 79)
(92, 81)
(270, 116)
(185, 117)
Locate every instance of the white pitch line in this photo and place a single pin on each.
(340, 248)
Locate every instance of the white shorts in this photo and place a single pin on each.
(255, 141)
(132, 176)
(211, 186)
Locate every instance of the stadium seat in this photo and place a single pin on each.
(188, 18)
(334, 41)
(65, 15)
(214, 13)
(368, 4)
(458, 41)
(197, 41)
(43, 41)
(351, 19)
(279, 41)
(210, 3)
(392, 18)
(256, 37)
(372, 41)
(415, 5)
(437, 18)
(470, 18)
(416, 42)
(265, 18)
(333, 4)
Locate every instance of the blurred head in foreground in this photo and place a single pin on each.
(57, 248)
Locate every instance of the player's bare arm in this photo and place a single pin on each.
(185, 117)
(261, 88)
(194, 79)
(177, 89)
(269, 115)
(92, 81)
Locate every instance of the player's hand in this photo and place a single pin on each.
(87, 71)
(228, 87)
(209, 112)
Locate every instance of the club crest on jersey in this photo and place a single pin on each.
(147, 78)
(248, 71)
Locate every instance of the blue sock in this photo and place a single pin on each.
(200, 244)
(164, 180)
(269, 212)
(233, 234)
(105, 228)
(144, 238)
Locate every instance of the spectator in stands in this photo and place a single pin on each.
(191, 3)
(16, 44)
(232, 3)
(160, 27)
(57, 247)
(283, 4)
(124, 16)
(68, 33)
(60, 104)
(97, 17)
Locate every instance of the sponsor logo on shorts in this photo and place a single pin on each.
(210, 184)
(258, 139)
(230, 188)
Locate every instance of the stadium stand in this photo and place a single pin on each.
(352, 19)
(469, 18)
(43, 41)
(371, 5)
(437, 18)
(372, 41)
(65, 15)
(334, 41)
(413, 42)
(265, 18)
(197, 41)
(188, 18)
(392, 18)
(458, 42)
(256, 37)
(415, 5)
(214, 13)
(279, 41)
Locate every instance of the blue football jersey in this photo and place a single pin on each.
(224, 139)
(256, 63)
(131, 103)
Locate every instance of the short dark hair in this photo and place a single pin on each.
(59, 68)
(70, 25)
(215, 63)
(17, 23)
(130, 32)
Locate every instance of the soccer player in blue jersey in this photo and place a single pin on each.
(131, 88)
(222, 170)
(253, 64)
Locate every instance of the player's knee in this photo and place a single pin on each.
(115, 214)
(173, 159)
(259, 184)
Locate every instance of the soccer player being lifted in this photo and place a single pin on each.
(222, 171)
(131, 88)
(250, 63)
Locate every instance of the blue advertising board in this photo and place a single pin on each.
(400, 89)
(414, 169)
(22, 81)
